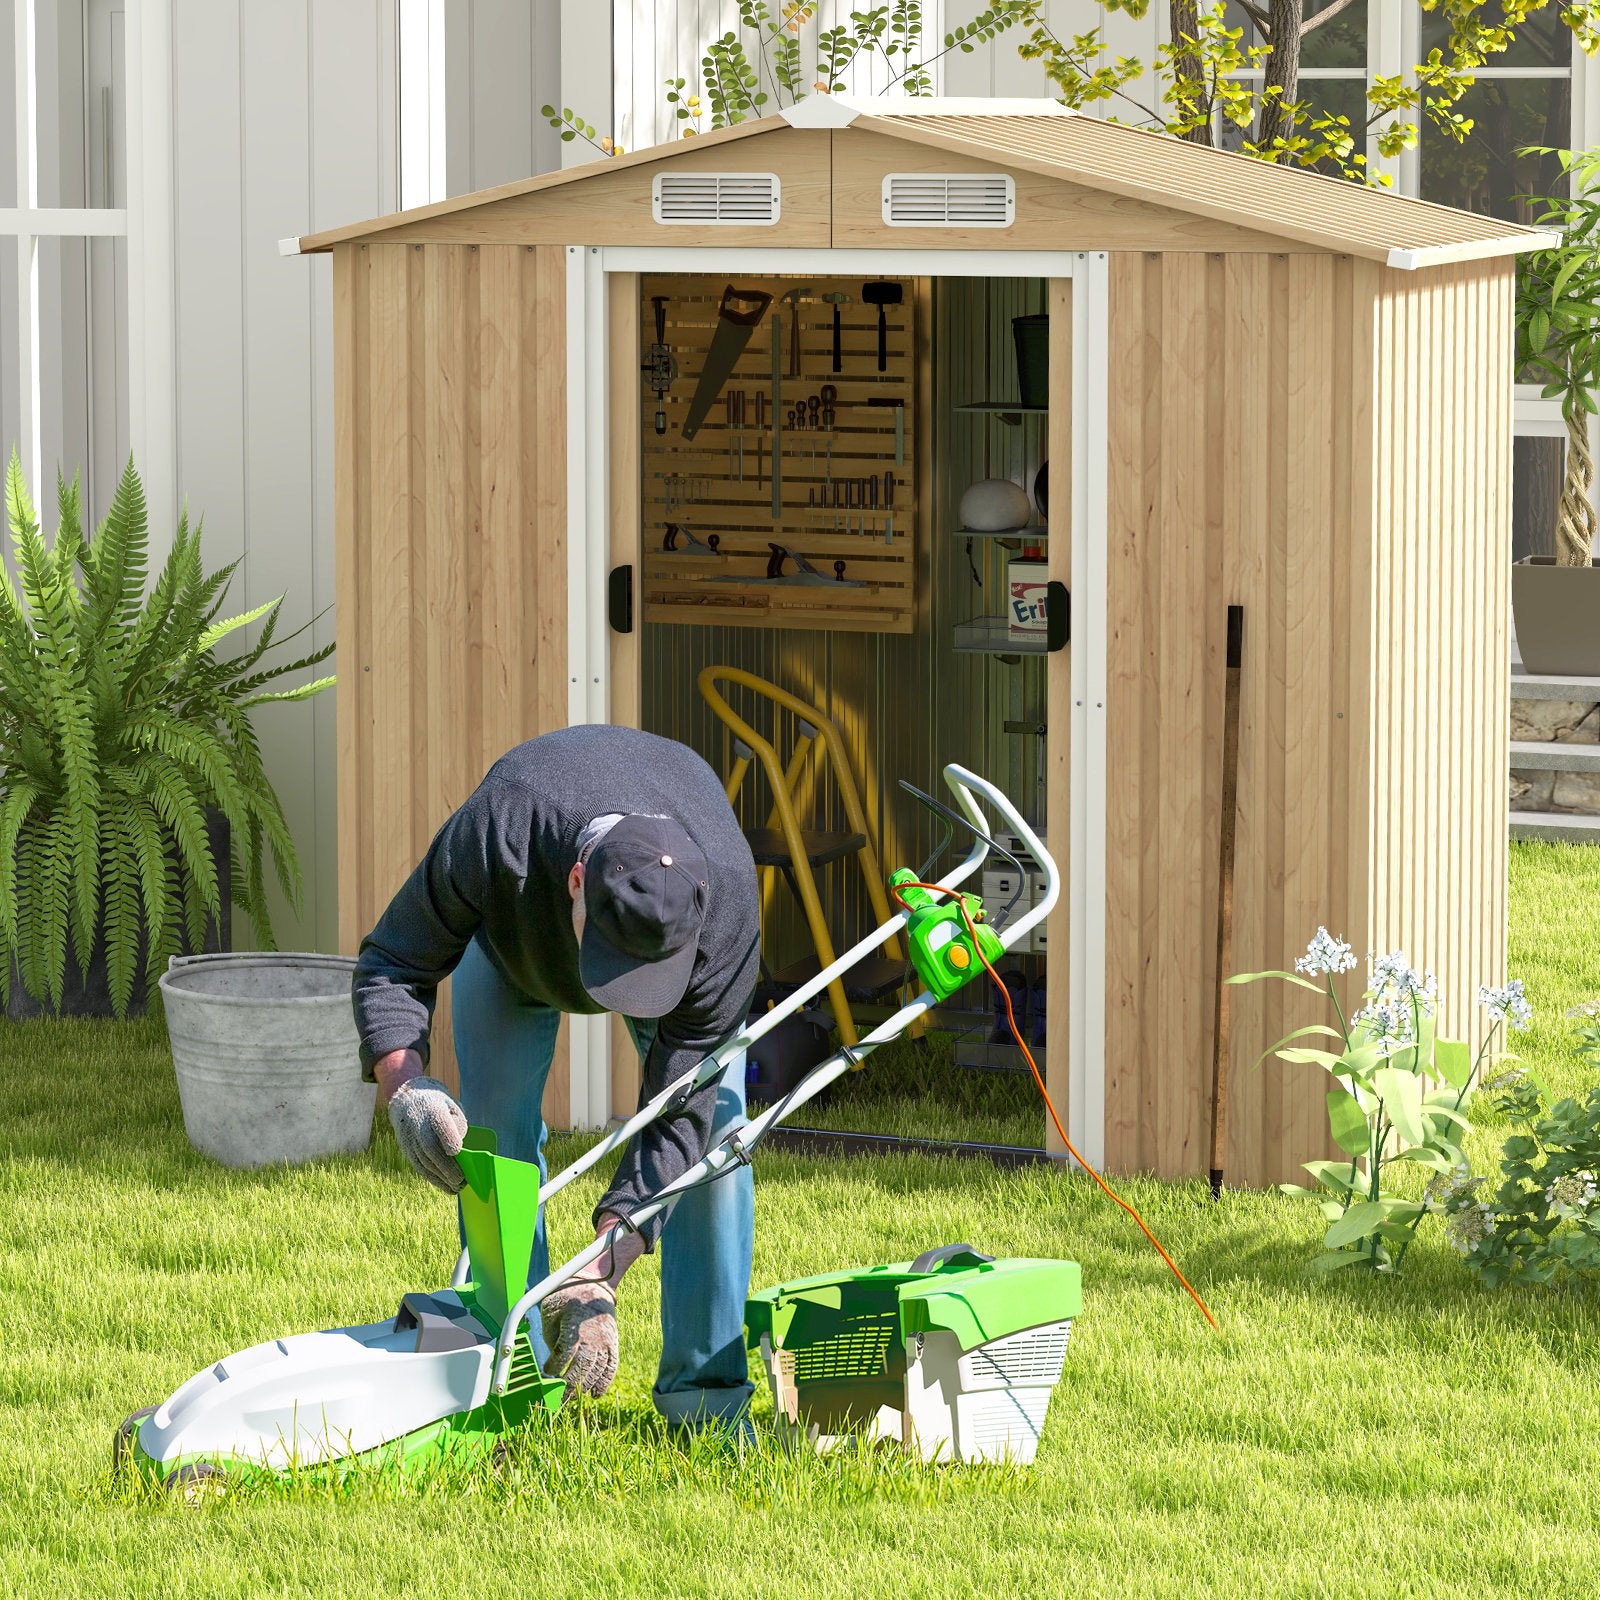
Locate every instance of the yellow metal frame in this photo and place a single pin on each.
(827, 747)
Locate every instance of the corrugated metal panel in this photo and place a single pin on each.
(1236, 188)
(1236, 421)
(450, 443)
(905, 705)
(1328, 213)
(1442, 414)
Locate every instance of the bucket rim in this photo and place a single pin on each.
(181, 966)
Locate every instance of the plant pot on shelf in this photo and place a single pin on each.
(1557, 612)
(90, 996)
(1032, 335)
(267, 1056)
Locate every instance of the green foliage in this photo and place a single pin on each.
(1542, 1225)
(1383, 1109)
(741, 78)
(1558, 291)
(1198, 84)
(119, 727)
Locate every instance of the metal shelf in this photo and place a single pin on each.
(990, 636)
(1030, 534)
(974, 1050)
(1004, 408)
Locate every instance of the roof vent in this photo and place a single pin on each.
(949, 199)
(716, 199)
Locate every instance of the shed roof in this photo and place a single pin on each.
(1044, 137)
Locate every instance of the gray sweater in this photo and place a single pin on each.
(496, 872)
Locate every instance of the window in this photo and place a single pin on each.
(1333, 64)
(1521, 98)
(63, 246)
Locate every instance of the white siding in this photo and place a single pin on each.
(284, 122)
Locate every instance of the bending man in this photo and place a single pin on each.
(594, 869)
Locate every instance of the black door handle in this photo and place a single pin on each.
(619, 599)
(1057, 616)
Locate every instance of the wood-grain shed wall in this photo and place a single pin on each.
(1325, 442)
(450, 442)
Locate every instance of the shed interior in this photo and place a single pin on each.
(901, 634)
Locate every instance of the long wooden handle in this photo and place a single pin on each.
(1228, 836)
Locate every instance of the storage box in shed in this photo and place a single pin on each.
(953, 1354)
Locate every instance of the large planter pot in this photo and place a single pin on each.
(1557, 612)
(90, 995)
(267, 1056)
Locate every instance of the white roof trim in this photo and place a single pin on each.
(1443, 255)
(289, 247)
(821, 111)
(839, 111)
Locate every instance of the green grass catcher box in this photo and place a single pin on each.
(954, 1355)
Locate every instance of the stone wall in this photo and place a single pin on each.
(1574, 722)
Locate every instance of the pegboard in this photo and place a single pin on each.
(711, 513)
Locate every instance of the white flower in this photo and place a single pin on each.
(1505, 1080)
(1325, 955)
(1395, 979)
(1572, 1195)
(1508, 1005)
(1469, 1227)
(1446, 1190)
(1386, 1024)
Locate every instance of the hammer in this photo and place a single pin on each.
(881, 294)
(836, 300)
(792, 299)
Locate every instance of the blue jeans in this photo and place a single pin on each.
(504, 1045)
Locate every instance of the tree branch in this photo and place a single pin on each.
(1320, 17)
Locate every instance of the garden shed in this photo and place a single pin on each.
(586, 450)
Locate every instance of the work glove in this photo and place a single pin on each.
(580, 1327)
(429, 1127)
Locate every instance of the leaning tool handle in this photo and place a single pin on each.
(735, 1147)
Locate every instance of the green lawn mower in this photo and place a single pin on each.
(453, 1370)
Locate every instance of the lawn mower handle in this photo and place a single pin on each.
(735, 1147)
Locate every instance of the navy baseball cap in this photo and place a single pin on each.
(644, 898)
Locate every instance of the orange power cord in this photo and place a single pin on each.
(1016, 1033)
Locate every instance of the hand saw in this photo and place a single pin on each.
(740, 311)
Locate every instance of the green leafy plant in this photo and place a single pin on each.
(759, 67)
(1201, 82)
(119, 727)
(1384, 1109)
(1542, 1224)
(1558, 334)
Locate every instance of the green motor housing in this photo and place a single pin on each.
(942, 950)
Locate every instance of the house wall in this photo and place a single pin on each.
(450, 443)
(1240, 422)
(282, 118)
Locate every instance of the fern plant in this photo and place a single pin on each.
(119, 727)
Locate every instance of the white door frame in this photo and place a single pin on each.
(588, 535)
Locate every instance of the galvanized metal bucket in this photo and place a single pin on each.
(266, 1053)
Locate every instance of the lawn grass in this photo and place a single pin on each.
(1408, 1437)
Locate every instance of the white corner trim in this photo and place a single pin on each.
(821, 111)
(290, 246)
(1086, 846)
(588, 643)
(1444, 255)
